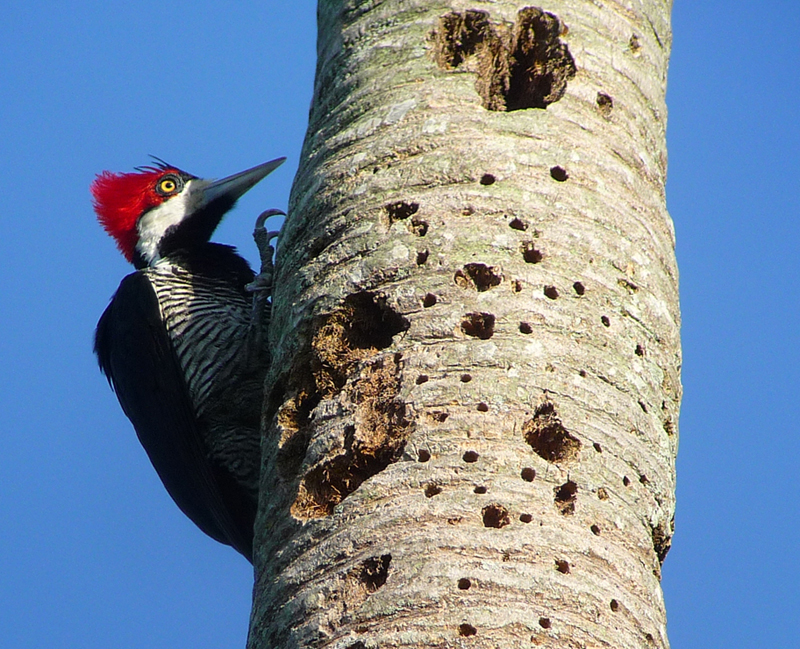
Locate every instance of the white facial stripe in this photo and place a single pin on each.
(155, 223)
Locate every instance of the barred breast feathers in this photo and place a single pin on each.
(207, 321)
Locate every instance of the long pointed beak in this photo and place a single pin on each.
(233, 187)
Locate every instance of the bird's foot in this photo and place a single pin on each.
(262, 284)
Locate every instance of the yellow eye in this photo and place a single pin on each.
(169, 185)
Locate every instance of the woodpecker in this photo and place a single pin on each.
(180, 342)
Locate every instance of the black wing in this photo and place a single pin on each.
(135, 353)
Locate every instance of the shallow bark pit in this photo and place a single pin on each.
(530, 254)
(466, 630)
(438, 416)
(547, 436)
(432, 490)
(478, 276)
(374, 572)
(368, 448)
(478, 325)
(605, 104)
(565, 497)
(419, 227)
(470, 457)
(495, 516)
(526, 65)
(400, 210)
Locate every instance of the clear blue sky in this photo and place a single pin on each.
(95, 555)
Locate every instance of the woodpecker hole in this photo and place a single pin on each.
(551, 292)
(662, 539)
(422, 378)
(605, 104)
(595, 530)
(438, 416)
(423, 455)
(602, 493)
(478, 325)
(547, 436)
(365, 579)
(669, 427)
(487, 179)
(562, 566)
(400, 210)
(526, 65)
(528, 474)
(627, 285)
(376, 441)
(582, 374)
(418, 227)
(516, 286)
(525, 518)
(480, 489)
(466, 630)
(634, 45)
(544, 622)
(626, 481)
(597, 447)
(464, 583)
(559, 174)
(429, 300)
(470, 457)
(565, 497)
(643, 479)
(606, 322)
(525, 328)
(478, 276)
(495, 516)
(579, 288)
(422, 257)
(518, 224)
(642, 405)
(530, 254)
(639, 351)
(482, 407)
(432, 490)
(465, 378)
(614, 605)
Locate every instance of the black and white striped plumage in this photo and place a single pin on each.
(178, 346)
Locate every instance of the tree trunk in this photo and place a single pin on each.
(471, 416)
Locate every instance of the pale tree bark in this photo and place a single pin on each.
(471, 417)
